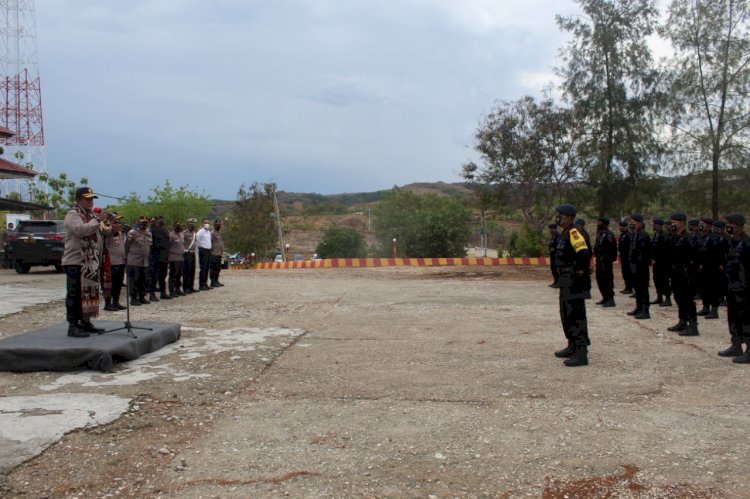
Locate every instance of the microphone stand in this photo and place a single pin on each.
(128, 326)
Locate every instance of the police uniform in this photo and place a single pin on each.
(712, 258)
(572, 256)
(137, 255)
(605, 250)
(623, 249)
(552, 246)
(725, 242)
(738, 295)
(188, 258)
(639, 258)
(217, 251)
(684, 261)
(661, 248)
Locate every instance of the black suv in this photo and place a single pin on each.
(36, 242)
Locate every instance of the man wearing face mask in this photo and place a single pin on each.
(606, 254)
(661, 248)
(573, 256)
(738, 292)
(159, 263)
(684, 258)
(203, 242)
(137, 255)
(640, 261)
(176, 254)
(114, 262)
(623, 249)
(217, 251)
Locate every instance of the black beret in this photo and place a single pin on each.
(637, 217)
(694, 221)
(580, 221)
(707, 221)
(552, 226)
(736, 218)
(720, 224)
(623, 223)
(658, 220)
(566, 209)
(679, 216)
(604, 220)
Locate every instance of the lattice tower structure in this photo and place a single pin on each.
(20, 88)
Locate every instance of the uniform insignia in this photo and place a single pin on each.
(578, 242)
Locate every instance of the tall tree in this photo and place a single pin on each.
(609, 78)
(528, 151)
(174, 204)
(709, 82)
(251, 227)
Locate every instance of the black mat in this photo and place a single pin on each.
(51, 349)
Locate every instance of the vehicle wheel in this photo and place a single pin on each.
(22, 268)
(58, 268)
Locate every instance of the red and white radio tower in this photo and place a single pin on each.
(20, 89)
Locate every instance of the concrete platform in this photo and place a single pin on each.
(51, 349)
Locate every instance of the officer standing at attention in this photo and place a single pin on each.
(661, 248)
(80, 262)
(573, 256)
(712, 258)
(725, 243)
(176, 255)
(203, 242)
(188, 260)
(623, 248)
(640, 262)
(738, 295)
(684, 257)
(606, 254)
(137, 256)
(217, 251)
(552, 245)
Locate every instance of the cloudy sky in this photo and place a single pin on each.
(324, 96)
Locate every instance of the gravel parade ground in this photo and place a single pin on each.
(384, 382)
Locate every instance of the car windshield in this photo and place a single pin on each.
(38, 228)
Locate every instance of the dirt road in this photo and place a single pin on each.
(398, 382)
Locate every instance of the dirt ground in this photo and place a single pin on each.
(398, 382)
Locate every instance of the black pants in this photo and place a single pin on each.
(553, 267)
(605, 279)
(175, 276)
(640, 280)
(710, 280)
(157, 276)
(626, 276)
(215, 268)
(204, 259)
(73, 310)
(118, 273)
(188, 271)
(661, 279)
(738, 317)
(573, 309)
(137, 282)
(684, 295)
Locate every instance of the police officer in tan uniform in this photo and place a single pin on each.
(137, 252)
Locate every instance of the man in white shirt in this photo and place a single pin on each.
(203, 242)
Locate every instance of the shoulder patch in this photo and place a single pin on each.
(577, 240)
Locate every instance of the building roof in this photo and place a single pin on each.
(6, 132)
(15, 206)
(14, 170)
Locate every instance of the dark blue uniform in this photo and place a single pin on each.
(639, 258)
(623, 248)
(738, 298)
(606, 254)
(572, 256)
(661, 249)
(684, 268)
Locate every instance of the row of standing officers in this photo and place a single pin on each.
(702, 259)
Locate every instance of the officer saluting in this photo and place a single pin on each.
(572, 256)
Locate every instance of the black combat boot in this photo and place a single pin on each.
(680, 326)
(579, 358)
(704, 311)
(733, 351)
(609, 303)
(567, 351)
(600, 302)
(165, 296)
(658, 301)
(626, 291)
(643, 314)
(635, 311)
(667, 302)
(90, 328)
(152, 297)
(745, 357)
(76, 332)
(713, 313)
(691, 329)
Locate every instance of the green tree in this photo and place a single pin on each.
(343, 242)
(528, 152)
(424, 226)
(173, 204)
(709, 81)
(57, 192)
(252, 228)
(610, 79)
(528, 242)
